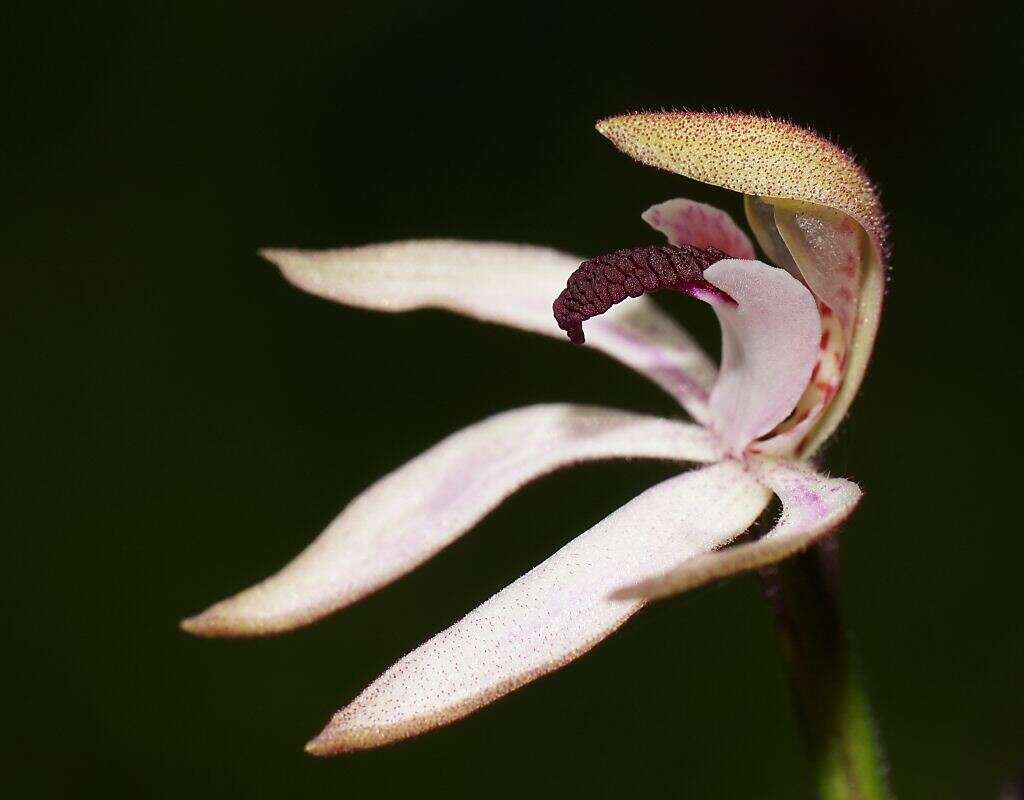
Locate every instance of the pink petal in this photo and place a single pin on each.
(411, 514)
(858, 353)
(812, 507)
(787, 441)
(688, 222)
(507, 284)
(844, 268)
(770, 343)
(826, 378)
(553, 614)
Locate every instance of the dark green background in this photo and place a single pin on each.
(182, 421)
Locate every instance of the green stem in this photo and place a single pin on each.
(830, 700)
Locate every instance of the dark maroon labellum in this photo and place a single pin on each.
(599, 283)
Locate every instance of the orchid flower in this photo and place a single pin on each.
(797, 334)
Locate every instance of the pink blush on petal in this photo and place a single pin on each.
(688, 222)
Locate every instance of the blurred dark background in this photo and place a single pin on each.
(182, 422)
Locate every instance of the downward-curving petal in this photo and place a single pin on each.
(688, 222)
(508, 284)
(812, 507)
(553, 614)
(411, 514)
(770, 339)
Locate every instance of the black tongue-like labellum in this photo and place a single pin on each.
(601, 282)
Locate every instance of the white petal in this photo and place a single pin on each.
(411, 514)
(508, 284)
(553, 614)
(769, 346)
(812, 507)
(826, 378)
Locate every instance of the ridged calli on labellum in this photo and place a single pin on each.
(796, 339)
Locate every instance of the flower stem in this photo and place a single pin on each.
(830, 701)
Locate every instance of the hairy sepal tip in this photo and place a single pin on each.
(752, 154)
